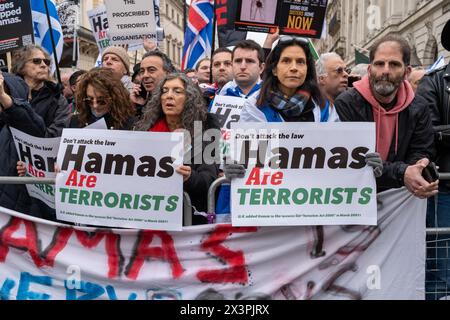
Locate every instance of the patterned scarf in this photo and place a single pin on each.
(290, 107)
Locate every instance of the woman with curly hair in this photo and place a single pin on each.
(101, 95)
(175, 106)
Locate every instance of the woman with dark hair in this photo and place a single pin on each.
(175, 106)
(290, 91)
(100, 94)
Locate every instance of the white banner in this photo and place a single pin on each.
(39, 156)
(130, 21)
(98, 20)
(228, 110)
(303, 174)
(120, 179)
(45, 260)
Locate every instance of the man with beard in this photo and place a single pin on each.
(405, 138)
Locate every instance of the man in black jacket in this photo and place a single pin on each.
(405, 138)
(435, 88)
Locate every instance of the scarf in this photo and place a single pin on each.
(160, 126)
(289, 107)
(386, 121)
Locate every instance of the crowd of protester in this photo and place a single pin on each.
(280, 82)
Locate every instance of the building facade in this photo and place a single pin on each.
(358, 24)
(172, 22)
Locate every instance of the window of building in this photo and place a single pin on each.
(174, 58)
(173, 14)
(168, 47)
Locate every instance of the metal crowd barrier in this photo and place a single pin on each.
(437, 271)
(211, 207)
(187, 207)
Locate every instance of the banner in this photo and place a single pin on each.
(301, 18)
(39, 156)
(49, 261)
(257, 15)
(98, 20)
(131, 21)
(227, 110)
(303, 174)
(16, 25)
(111, 180)
(68, 12)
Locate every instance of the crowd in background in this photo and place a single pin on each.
(280, 82)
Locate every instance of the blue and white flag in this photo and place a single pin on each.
(41, 27)
(437, 64)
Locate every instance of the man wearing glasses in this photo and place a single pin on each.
(332, 75)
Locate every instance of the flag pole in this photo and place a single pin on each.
(58, 75)
(213, 44)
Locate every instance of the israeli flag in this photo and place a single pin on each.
(41, 28)
(437, 64)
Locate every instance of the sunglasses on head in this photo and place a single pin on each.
(38, 61)
(284, 39)
(101, 102)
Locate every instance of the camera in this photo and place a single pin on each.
(430, 173)
(143, 93)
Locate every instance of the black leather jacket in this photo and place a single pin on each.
(435, 88)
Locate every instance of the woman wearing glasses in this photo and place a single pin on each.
(101, 95)
(32, 63)
(35, 106)
(290, 93)
(175, 105)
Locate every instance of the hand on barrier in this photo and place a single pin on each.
(374, 160)
(233, 170)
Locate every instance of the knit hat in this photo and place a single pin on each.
(445, 36)
(121, 53)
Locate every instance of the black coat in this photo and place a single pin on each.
(203, 175)
(75, 122)
(415, 135)
(36, 120)
(435, 89)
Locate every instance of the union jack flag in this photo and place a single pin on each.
(198, 35)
